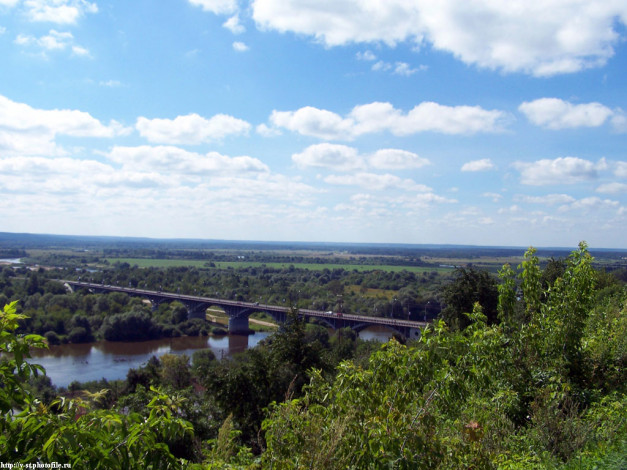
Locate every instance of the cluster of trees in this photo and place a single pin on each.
(365, 292)
(171, 413)
(83, 316)
(535, 378)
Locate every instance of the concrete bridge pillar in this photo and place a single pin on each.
(239, 325)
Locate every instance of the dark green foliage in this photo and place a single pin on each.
(469, 286)
(131, 326)
(541, 393)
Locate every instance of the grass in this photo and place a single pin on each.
(217, 317)
(168, 263)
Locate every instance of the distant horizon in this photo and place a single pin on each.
(305, 242)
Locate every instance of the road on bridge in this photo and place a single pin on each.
(252, 306)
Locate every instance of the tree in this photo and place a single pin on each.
(469, 286)
(175, 370)
(71, 431)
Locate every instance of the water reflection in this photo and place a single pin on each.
(112, 360)
(379, 333)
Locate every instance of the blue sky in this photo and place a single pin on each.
(487, 123)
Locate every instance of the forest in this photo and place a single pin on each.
(520, 369)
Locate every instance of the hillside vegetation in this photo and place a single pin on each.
(535, 379)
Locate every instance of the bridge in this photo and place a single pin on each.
(238, 312)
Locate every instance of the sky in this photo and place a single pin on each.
(379, 121)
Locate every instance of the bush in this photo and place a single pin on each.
(52, 338)
(80, 335)
(132, 326)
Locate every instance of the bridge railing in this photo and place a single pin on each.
(251, 305)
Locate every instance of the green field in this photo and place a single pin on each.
(167, 263)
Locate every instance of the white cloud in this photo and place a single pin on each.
(366, 55)
(58, 176)
(381, 66)
(314, 122)
(233, 25)
(343, 158)
(548, 200)
(553, 113)
(590, 203)
(612, 188)
(8, 3)
(31, 131)
(399, 68)
(2, 30)
(540, 37)
(219, 7)
(496, 197)
(621, 170)
(53, 41)
(563, 170)
(168, 160)
(379, 117)
(428, 199)
(267, 131)
(331, 156)
(478, 165)
(191, 129)
(376, 182)
(404, 69)
(426, 117)
(58, 11)
(240, 46)
(396, 159)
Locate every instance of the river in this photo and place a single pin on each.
(112, 360)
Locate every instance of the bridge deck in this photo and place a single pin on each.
(255, 306)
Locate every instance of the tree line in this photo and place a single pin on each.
(536, 379)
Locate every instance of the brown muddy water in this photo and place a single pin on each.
(112, 360)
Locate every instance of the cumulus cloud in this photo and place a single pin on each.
(398, 68)
(554, 113)
(314, 122)
(478, 165)
(233, 25)
(240, 46)
(621, 170)
(58, 11)
(267, 131)
(612, 188)
(51, 42)
(547, 200)
(590, 203)
(563, 170)
(366, 55)
(404, 69)
(169, 160)
(344, 158)
(538, 37)
(219, 7)
(330, 156)
(379, 117)
(59, 176)
(190, 129)
(496, 197)
(31, 131)
(376, 182)
(396, 159)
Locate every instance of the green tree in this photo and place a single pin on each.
(469, 286)
(71, 431)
